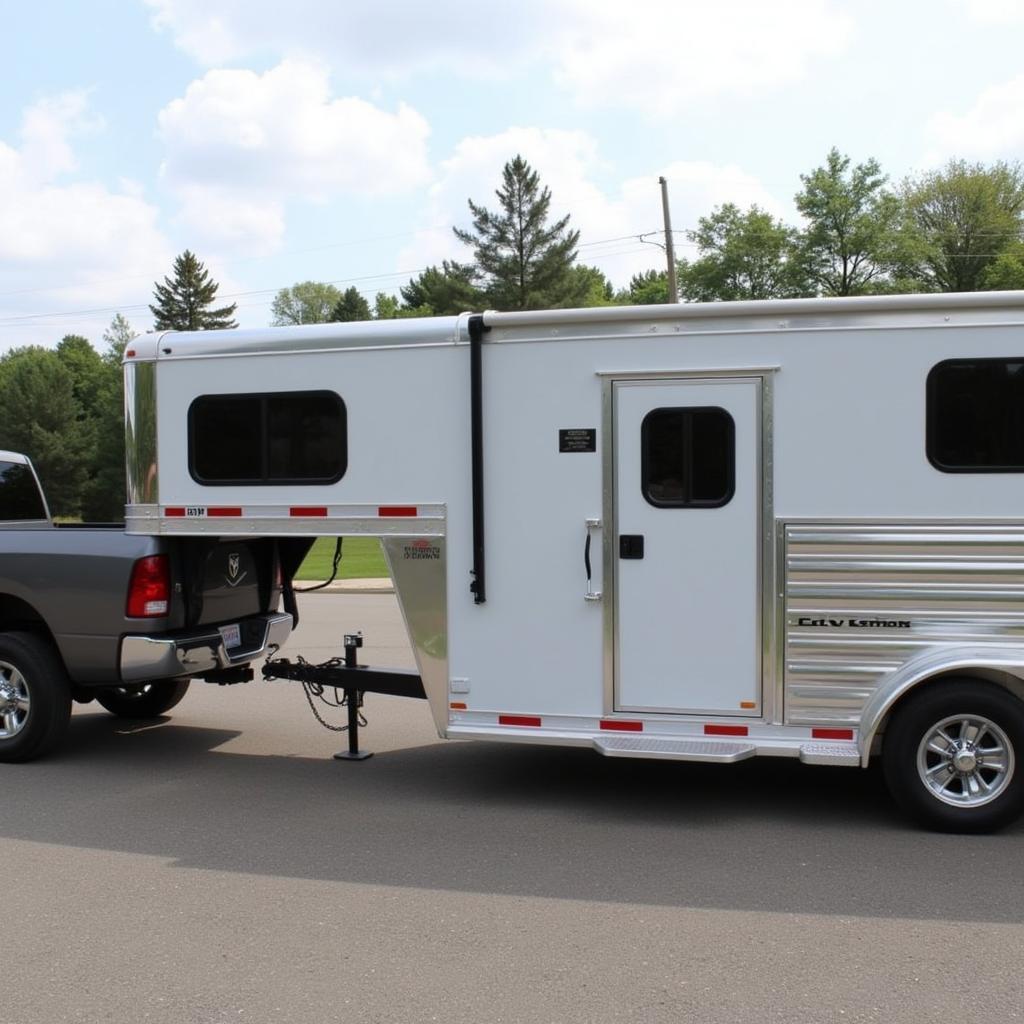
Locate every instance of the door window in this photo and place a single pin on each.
(688, 457)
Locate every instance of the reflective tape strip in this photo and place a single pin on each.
(174, 512)
(389, 511)
(319, 510)
(618, 725)
(457, 705)
(529, 721)
(832, 734)
(223, 511)
(726, 730)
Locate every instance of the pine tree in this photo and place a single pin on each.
(523, 261)
(350, 307)
(182, 303)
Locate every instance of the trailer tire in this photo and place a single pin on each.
(35, 697)
(149, 700)
(953, 756)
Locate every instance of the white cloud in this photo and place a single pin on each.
(240, 145)
(67, 245)
(994, 12)
(609, 219)
(651, 55)
(991, 128)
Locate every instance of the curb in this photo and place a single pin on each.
(367, 586)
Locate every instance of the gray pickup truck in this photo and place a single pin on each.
(89, 612)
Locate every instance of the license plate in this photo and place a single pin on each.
(231, 635)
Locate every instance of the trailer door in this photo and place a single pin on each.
(686, 545)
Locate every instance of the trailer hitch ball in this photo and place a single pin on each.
(352, 642)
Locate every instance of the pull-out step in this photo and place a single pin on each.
(722, 751)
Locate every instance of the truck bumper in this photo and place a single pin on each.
(144, 658)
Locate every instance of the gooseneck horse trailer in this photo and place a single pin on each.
(688, 532)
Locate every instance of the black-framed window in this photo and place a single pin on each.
(291, 437)
(19, 493)
(688, 457)
(975, 415)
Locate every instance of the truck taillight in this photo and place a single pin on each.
(149, 591)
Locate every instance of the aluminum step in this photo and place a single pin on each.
(830, 753)
(722, 751)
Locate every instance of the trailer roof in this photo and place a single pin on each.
(708, 317)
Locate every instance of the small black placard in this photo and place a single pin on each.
(577, 439)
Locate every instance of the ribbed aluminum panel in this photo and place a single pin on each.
(862, 599)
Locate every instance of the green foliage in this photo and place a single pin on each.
(308, 302)
(183, 303)
(747, 255)
(965, 217)
(445, 291)
(350, 307)
(1006, 271)
(43, 419)
(117, 336)
(523, 261)
(592, 286)
(386, 307)
(647, 289)
(851, 240)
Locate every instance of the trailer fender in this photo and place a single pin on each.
(999, 662)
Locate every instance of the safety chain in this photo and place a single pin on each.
(312, 690)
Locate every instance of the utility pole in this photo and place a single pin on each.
(670, 252)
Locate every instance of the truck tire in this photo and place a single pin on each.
(150, 700)
(953, 756)
(35, 697)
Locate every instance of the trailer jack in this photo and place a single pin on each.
(350, 681)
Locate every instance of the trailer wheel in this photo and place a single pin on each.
(150, 700)
(953, 756)
(35, 697)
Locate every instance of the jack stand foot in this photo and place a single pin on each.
(353, 755)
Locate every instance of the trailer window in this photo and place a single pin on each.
(19, 493)
(688, 457)
(294, 437)
(975, 416)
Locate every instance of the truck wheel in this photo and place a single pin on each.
(953, 756)
(150, 700)
(35, 697)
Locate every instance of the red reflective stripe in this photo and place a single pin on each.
(832, 734)
(620, 726)
(319, 510)
(528, 720)
(396, 510)
(457, 705)
(725, 730)
(174, 512)
(223, 511)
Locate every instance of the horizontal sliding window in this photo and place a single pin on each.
(292, 437)
(688, 457)
(975, 416)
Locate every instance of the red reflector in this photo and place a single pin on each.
(457, 705)
(620, 726)
(320, 510)
(174, 511)
(529, 721)
(832, 734)
(396, 510)
(725, 730)
(149, 590)
(130, 352)
(223, 511)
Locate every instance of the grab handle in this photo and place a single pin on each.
(591, 594)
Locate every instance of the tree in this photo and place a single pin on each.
(965, 217)
(592, 286)
(182, 304)
(1006, 271)
(445, 291)
(647, 289)
(308, 302)
(852, 236)
(747, 255)
(523, 261)
(350, 306)
(42, 419)
(117, 336)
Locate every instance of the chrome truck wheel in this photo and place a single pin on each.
(150, 700)
(950, 754)
(35, 697)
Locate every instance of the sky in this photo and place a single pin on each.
(339, 141)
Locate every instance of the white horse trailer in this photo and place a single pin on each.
(689, 532)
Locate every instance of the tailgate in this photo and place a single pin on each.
(226, 581)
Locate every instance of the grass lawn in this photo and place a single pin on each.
(361, 558)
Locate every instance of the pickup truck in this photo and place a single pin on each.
(88, 612)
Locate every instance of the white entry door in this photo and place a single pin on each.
(688, 522)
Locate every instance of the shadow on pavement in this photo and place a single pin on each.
(768, 835)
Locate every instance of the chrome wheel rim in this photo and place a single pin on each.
(14, 701)
(965, 760)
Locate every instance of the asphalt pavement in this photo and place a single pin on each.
(218, 865)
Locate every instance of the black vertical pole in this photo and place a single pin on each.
(478, 587)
